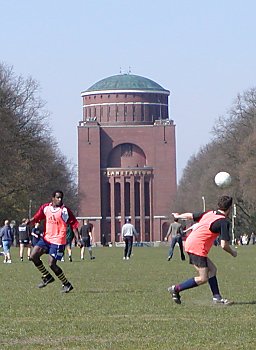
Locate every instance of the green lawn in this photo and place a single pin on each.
(120, 304)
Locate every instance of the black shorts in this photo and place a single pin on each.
(25, 242)
(197, 260)
(86, 242)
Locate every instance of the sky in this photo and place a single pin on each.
(202, 51)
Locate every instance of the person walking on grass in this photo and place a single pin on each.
(57, 216)
(210, 225)
(128, 231)
(176, 232)
(86, 239)
(6, 234)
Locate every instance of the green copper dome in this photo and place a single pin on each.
(126, 82)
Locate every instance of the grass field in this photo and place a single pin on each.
(120, 304)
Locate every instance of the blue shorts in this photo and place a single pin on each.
(55, 250)
(6, 246)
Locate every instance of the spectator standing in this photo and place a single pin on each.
(176, 232)
(6, 235)
(253, 237)
(70, 237)
(86, 239)
(36, 234)
(24, 239)
(128, 231)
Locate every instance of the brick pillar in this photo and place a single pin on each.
(142, 209)
(151, 218)
(132, 200)
(112, 209)
(122, 199)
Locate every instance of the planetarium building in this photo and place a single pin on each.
(126, 158)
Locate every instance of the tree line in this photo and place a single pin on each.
(232, 149)
(31, 165)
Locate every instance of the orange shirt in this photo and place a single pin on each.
(56, 221)
(55, 226)
(201, 239)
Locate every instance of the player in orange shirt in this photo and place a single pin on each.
(210, 225)
(57, 217)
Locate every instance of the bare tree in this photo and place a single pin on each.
(31, 164)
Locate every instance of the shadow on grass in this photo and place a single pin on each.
(245, 302)
(97, 291)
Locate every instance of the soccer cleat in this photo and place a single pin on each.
(124, 258)
(45, 281)
(127, 258)
(92, 257)
(222, 301)
(9, 261)
(175, 295)
(21, 258)
(70, 258)
(66, 288)
(169, 258)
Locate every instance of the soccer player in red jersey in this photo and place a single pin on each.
(209, 225)
(57, 217)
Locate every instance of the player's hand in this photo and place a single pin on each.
(79, 244)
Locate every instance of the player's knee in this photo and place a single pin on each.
(202, 280)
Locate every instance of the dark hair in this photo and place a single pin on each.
(225, 202)
(128, 220)
(176, 220)
(57, 191)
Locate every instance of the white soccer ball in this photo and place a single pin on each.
(223, 179)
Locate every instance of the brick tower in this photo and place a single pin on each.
(126, 157)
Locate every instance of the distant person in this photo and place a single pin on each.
(86, 239)
(15, 233)
(253, 237)
(24, 239)
(211, 224)
(36, 234)
(57, 216)
(70, 237)
(176, 232)
(6, 235)
(128, 231)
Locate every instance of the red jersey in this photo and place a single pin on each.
(201, 239)
(56, 221)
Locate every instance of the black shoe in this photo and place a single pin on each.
(70, 258)
(169, 258)
(183, 258)
(92, 257)
(175, 295)
(45, 281)
(21, 258)
(66, 288)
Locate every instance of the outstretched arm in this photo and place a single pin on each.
(184, 216)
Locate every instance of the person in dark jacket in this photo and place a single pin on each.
(6, 235)
(24, 239)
